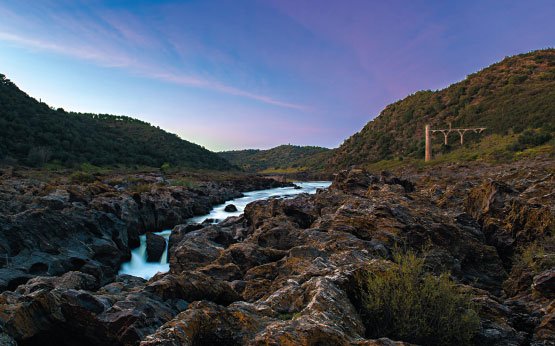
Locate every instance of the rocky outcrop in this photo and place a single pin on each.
(509, 221)
(72, 309)
(288, 271)
(155, 246)
(60, 226)
(544, 283)
(303, 294)
(67, 310)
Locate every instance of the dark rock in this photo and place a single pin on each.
(230, 208)
(544, 283)
(284, 272)
(155, 246)
(544, 334)
(178, 232)
(59, 311)
(191, 287)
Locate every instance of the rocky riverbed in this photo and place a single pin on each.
(285, 272)
(52, 227)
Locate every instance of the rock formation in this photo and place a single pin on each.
(286, 272)
(230, 208)
(155, 246)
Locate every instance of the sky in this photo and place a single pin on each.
(256, 74)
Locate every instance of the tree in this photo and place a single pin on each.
(38, 156)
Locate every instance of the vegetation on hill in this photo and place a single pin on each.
(281, 159)
(32, 133)
(508, 98)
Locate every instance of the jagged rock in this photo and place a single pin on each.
(544, 334)
(286, 272)
(55, 200)
(544, 283)
(508, 221)
(98, 223)
(193, 286)
(179, 231)
(155, 247)
(61, 311)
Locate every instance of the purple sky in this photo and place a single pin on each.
(255, 74)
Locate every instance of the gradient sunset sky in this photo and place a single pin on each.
(255, 74)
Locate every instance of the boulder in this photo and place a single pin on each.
(69, 311)
(155, 246)
(230, 208)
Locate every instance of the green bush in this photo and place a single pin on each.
(405, 303)
(140, 188)
(82, 177)
(165, 167)
(530, 138)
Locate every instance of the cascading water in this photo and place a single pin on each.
(138, 266)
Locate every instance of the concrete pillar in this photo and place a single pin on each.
(461, 133)
(428, 152)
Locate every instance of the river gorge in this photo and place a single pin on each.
(278, 271)
(139, 266)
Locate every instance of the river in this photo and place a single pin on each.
(138, 266)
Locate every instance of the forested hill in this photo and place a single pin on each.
(286, 158)
(515, 94)
(31, 133)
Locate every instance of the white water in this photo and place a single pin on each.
(138, 266)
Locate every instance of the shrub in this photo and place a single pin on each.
(538, 255)
(405, 303)
(82, 177)
(517, 79)
(87, 167)
(165, 167)
(140, 188)
(182, 182)
(530, 138)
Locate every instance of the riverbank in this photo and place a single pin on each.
(290, 271)
(140, 265)
(89, 222)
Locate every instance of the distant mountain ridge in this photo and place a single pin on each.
(508, 96)
(32, 133)
(283, 158)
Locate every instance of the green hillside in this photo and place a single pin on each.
(508, 97)
(31, 133)
(284, 158)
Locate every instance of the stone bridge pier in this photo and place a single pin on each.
(461, 131)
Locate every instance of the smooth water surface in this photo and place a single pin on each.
(138, 266)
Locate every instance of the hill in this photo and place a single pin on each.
(283, 158)
(32, 133)
(508, 97)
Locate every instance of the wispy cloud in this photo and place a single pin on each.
(213, 85)
(118, 45)
(82, 53)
